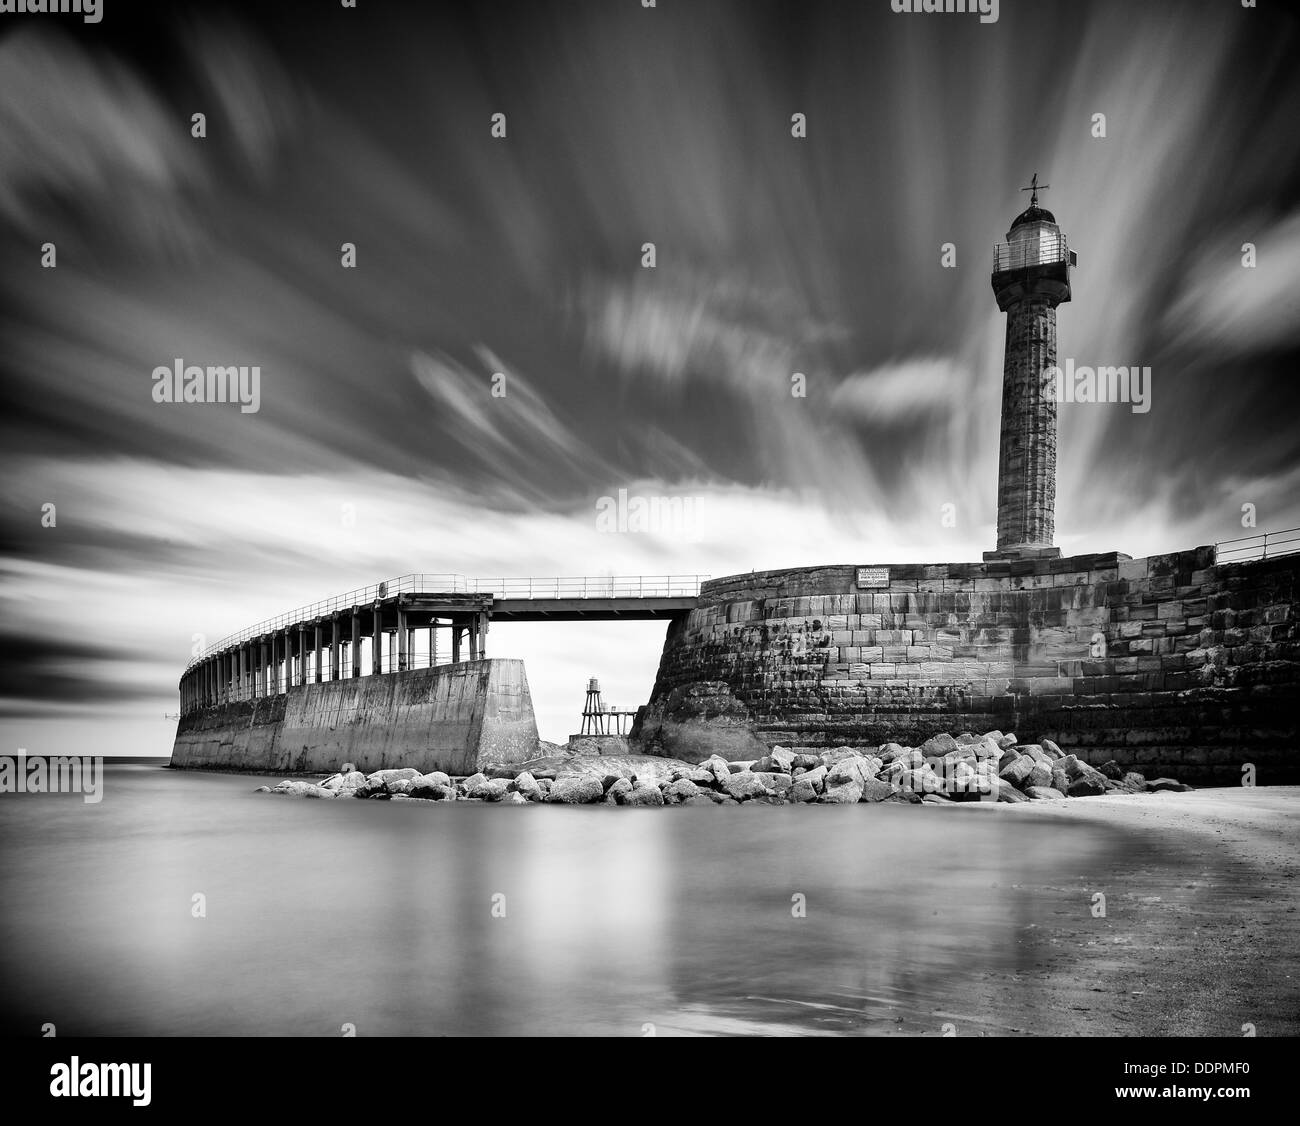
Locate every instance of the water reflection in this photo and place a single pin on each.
(406, 919)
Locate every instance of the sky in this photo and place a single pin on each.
(379, 448)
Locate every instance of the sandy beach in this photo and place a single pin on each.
(1201, 933)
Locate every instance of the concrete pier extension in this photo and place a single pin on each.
(454, 718)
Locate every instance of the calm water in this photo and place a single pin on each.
(321, 914)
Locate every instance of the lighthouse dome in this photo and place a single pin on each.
(1033, 214)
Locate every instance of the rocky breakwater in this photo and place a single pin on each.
(992, 767)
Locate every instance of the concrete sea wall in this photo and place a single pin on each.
(455, 718)
(1171, 665)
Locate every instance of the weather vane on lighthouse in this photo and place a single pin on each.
(1035, 187)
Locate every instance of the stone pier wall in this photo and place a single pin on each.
(455, 718)
(1170, 665)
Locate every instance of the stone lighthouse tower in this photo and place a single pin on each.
(1031, 277)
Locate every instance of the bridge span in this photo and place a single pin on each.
(395, 625)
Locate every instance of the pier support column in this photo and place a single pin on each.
(320, 647)
(433, 644)
(288, 660)
(356, 644)
(403, 655)
(302, 657)
(473, 638)
(243, 672)
(455, 642)
(335, 654)
(392, 650)
(377, 646)
(482, 636)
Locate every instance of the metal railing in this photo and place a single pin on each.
(1266, 545)
(1041, 250)
(584, 586)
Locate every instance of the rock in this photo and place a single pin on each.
(1060, 781)
(830, 758)
(717, 766)
(785, 757)
(352, 781)
(890, 751)
(966, 737)
(938, 745)
(619, 790)
(298, 789)
(333, 782)
(348, 768)
(776, 782)
(853, 768)
(1043, 793)
(262, 790)
(892, 773)
(742, 786)
(740, 766)
(960, 755)
(874, 791)
(526, 785)
(1112, 770)
(995, 735)
(396, 774)
(1007, 757)
(431, 791)
(400, 787)
(988, 749)
(576, 789)
(1006, 792)
(514, 797)
(802, 791)
(434, 778)
(767, 799)
(1052, 749)
(806, 762)
(1161, 785)
(936, 799)
(1085, 787)
(609, 779)
(767, 765)
(1040, 775)
(473, 780)
(544, 784)
(1017, 771)
(911, 758)
(1070, 764)
(1133, 783)
(643, 794)
(905, 797)
(696, 774)
(681, 790)
(846, 793)
(1008, 741)
(922, 781)
(491, 789)
(817, 778)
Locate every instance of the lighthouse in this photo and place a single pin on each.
(1031, 277)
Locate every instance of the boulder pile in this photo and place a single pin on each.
(992, 767)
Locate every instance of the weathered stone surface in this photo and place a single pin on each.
(745, 785)
(806, 762)
(1044, 792)
(1085, 787)
(431, 791)
(774, 780)
(298, 789)
(1052, 749)
(1040, 775)
(681, 790)
(853, 768)
(262, 790)
(1060, 781)
(400, 787)
(1112, 770)
(696, 774)
(802, 791)
(576, 789)
(490, 789)
(386, 776)
(514, 797)
(619, 789)
(527, 785)
(922, 781)
(1071, 765)
(876, 791)
(741, 766)
(1006, 792)
(718, 767)
(1017, 771)
(1159, 785)
(643, 794)
(1008, 740)
(434, 778)
(768, 765)
(938, 745)
(845, 793)
(696, 720)
(473, 780)
(348, 768)
(966, 737)
(936, 799)
(889, 752)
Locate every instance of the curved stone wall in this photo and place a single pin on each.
(1169, 664)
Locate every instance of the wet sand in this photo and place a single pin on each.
(1201, 933)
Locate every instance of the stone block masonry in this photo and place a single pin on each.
(455, 718)
(1170, 665)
